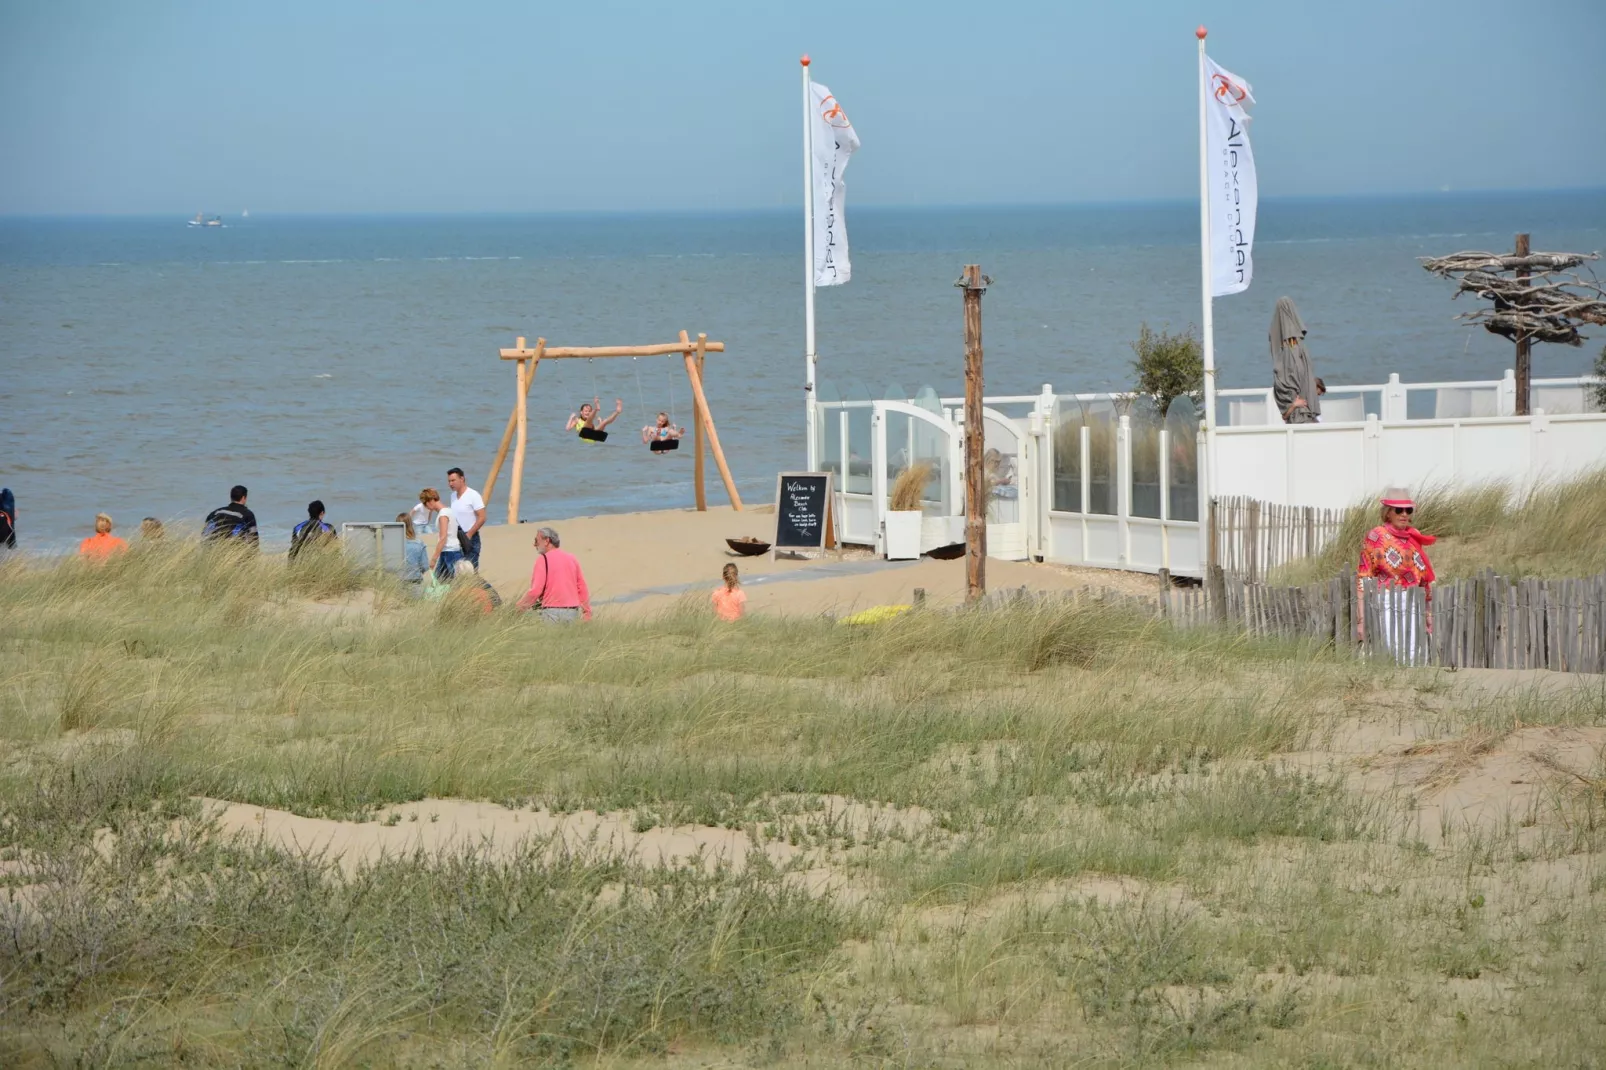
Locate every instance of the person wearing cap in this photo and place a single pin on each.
(557, 585)
(1394, 554)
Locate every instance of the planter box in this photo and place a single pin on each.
(938, 531)
(903, 535)
(1007, 542)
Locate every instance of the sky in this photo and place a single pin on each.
(504, 106)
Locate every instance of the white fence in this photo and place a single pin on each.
(1397, 402)
(1111, 482)
(1333, 465)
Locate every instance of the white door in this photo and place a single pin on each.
(905, 435)
(1005, 469)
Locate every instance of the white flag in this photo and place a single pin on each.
(1232, 190)
(834, 142)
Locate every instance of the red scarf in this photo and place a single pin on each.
(1420, 541)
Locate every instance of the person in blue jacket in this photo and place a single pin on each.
(311, 531)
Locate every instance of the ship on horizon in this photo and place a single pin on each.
(201, 220)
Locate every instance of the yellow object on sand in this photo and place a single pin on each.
(875, 615)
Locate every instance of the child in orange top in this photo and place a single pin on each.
(730, 601)
(102, 544)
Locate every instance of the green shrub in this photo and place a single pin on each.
(1168, 365)
(1600, 380)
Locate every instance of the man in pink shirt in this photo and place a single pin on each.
(557, 586)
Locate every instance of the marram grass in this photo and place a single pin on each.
(1102, 859)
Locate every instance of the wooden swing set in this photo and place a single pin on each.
(517, 430)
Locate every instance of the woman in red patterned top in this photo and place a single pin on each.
(1394, 553)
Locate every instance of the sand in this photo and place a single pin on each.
(639, 563)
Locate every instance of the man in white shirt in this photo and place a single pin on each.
(468, 509)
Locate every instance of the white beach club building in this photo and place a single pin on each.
(1110, 481)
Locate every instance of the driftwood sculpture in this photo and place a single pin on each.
(1543, 299)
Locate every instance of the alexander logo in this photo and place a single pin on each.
(1229, 92)
(833, 114)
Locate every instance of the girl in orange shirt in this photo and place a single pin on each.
(730, 601)
(102, 544)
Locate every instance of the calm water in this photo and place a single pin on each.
(145, 366)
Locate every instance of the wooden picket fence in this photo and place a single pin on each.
(1484, 622)
(1248, 537)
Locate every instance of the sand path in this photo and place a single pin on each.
(639, 563)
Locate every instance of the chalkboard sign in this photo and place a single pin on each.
(803, 503)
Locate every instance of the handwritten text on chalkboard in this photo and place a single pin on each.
(801, 502)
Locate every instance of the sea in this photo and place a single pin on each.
(146, 366)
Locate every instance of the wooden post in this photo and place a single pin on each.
(696, 432)
(1522, 343)
(697, 428)
(512, 421)
(693, 360)
(974, 284)
(526, 372)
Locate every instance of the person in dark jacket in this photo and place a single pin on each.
(8, 519)
(311, 531)
(232, 521)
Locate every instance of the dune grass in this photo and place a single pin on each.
(1555, 530)
(1091, 854)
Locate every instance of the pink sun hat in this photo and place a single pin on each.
(1397, 498)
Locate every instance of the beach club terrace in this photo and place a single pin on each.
(1110, 481)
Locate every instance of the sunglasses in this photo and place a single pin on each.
(1403, 510)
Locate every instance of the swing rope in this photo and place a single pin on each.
(641, 397)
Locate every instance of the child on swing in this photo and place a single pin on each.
(587, 419)
(654, 435)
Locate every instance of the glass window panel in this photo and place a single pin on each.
(1182, 435)
(828, 424)
(1069, 418)
(1143, 419)
(1101, 451)
(857, 400)
(1001, 470)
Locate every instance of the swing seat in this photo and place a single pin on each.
(591, 434)
(664, 445)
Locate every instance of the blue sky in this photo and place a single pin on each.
(336, 105)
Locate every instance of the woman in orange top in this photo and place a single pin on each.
(102, 544)
(730, 601)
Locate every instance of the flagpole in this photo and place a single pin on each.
(1209, 328)
(811, 436)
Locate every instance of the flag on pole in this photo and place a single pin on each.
(1231, 188)
(834, 142)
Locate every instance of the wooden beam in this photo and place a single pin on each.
(699, 435)
(512, 421)
(708, 421)
(975, 440)
(526, 373)
(1524, 360)
(699, 492)
(588, 352)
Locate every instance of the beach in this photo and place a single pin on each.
(643, 563)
